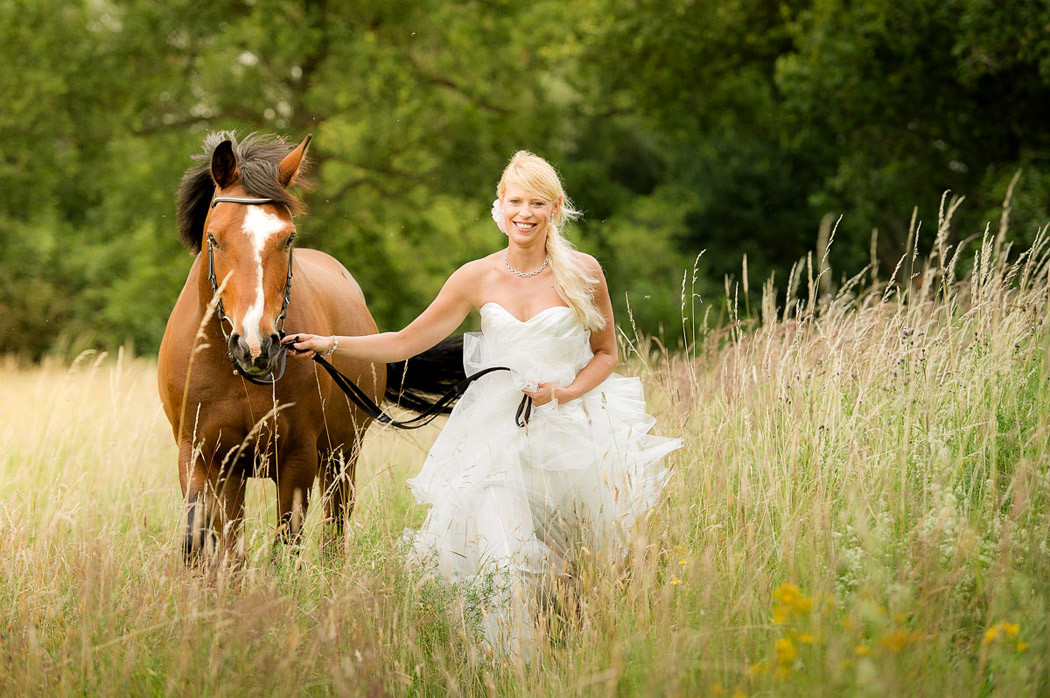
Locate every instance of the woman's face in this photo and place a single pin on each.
(525, 214)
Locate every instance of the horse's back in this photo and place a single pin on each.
(330, 265)
(335, 292)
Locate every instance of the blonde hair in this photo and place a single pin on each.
(573, 282)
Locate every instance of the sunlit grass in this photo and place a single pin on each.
(861, 508)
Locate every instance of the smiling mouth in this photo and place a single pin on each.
(520, 225)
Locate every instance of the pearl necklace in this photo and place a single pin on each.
(512, 270)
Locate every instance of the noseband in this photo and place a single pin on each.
(223, 319)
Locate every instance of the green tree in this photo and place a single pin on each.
(733, 126)
(908, 100)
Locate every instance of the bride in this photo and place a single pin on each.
(519, 504)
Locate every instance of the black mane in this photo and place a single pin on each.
(257, 160)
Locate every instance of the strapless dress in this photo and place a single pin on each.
(516, 505)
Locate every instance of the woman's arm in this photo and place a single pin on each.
(603, 344)
(435, 323)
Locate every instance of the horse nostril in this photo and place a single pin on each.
(238, 347)
(271, 344)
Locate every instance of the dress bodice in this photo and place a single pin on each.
(551, 346)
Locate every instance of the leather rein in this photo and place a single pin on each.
(359, 398)
(349, 388)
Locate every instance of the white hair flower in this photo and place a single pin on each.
(497, 215)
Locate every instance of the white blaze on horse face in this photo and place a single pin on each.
(259, 226)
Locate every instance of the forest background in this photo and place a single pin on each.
(731, 126)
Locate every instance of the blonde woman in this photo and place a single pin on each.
(520, 503)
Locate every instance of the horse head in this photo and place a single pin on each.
(248, 232)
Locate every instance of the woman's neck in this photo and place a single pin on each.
(526, 258)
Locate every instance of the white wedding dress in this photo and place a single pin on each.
(519, 503)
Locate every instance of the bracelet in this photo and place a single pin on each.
(335, 345)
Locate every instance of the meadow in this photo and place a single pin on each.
(861, 508)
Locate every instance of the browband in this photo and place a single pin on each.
(239, 200)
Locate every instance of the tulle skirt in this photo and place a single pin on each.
(512, 506)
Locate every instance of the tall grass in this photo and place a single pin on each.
(861, 508)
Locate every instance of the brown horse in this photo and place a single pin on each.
(237, 410)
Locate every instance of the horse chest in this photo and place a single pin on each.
(250, 430)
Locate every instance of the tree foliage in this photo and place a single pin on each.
(731, 126)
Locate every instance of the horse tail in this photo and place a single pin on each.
(419, 382)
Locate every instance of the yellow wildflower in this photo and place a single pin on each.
(862, 650)
(897, 639)
(675, 582)
(787, 594)
(739, 693)
(785, 650)
(803, 605)
(790, 602)
(806, 639)
(1021, 646)
(1010, 630)
(682, 562)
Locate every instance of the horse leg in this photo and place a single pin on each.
(337, 483)
(294, 482)
(230, 522)
(194, 479)
(330, 465)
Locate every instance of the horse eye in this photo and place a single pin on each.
(289, 241)
(211, 241)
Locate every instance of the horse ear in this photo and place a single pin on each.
(292, 163)
(224, 165)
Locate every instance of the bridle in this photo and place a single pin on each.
(221, 314)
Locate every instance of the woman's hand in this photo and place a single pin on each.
(544, 393)
(307, 345)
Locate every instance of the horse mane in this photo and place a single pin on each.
(257, 159)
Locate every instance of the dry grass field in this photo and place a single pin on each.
(862, 507)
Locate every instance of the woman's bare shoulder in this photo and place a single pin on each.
(475, 269)
(466, 281)
(589, 263)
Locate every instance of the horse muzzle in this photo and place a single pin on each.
(259, 361)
